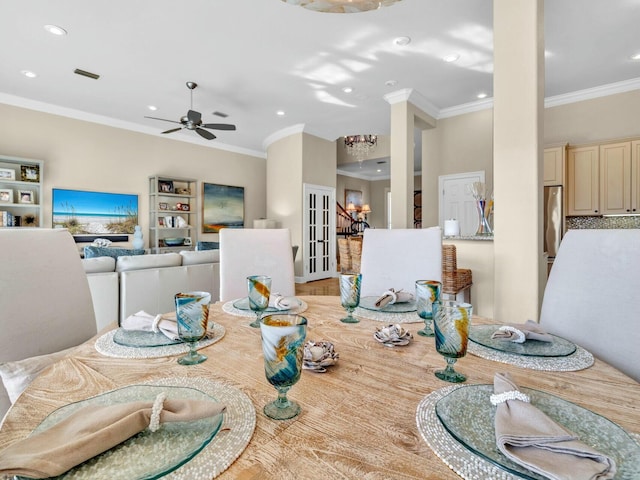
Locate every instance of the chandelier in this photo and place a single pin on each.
(360, 146)
(342, 6)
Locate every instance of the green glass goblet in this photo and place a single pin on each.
(427, 293)
(259, 290)
(451, 322)
(283, 338)
(192, 317)
(350, 294)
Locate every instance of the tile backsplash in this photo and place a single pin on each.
(603, 222)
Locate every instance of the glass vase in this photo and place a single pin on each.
(483, 224)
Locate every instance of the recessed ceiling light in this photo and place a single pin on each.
(482, 95)
(29, 73)
(347, 89)
(402, 41)
(635, 57)
(280, 113)
(391, 83)
(55, 30)
(379, 170)
(451, 57)
(153, 108)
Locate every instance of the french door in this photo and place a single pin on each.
(319, 229)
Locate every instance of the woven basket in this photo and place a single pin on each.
(454, 279)
(350, 250)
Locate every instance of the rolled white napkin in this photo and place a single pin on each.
(392, 296)
(281, 302)
(151, 323)
(521, 332)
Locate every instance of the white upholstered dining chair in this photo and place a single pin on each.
(592, 295)
(396, 258)
(45, 303)
(262, 251)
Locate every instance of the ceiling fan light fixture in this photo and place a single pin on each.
(341, 6)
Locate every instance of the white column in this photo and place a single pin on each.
(401, 167)
(518, 86)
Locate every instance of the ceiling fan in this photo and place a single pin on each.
(193, 120)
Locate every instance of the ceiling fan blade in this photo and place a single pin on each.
(205, 134)
(173, 130)
(219, 126)
(194, 116)
(163, 119)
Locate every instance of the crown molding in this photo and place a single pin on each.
(115, 123)
(415, 98)
(595, 92)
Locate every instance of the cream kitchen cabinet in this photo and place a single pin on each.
(554, 165)
(615, 178)
(583, 181)
(635, 176)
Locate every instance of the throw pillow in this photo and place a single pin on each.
(207, 245)
(90, 252)
(17, 375)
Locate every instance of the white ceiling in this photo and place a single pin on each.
(254, 57)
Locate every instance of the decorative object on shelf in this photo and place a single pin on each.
(29, 220)
(341, 6)
(173, 241)
(165, 186)
(185, 207)
(7, 174)
(183, 191)
(101, 242)
(360, 146)
(97, 213)
(25, 196)
(30, 173)
(392, 336)
(187, 242)
(163, 206)
(138, 242)
(318, 356)
(222, 207)
(480, 193)
(6, 195)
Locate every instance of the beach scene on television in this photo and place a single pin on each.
(94, 213)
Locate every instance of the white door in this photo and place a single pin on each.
(457, 202)
(319, 235)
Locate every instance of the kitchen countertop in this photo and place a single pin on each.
(483, 238)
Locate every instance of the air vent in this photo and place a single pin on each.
(84, 73)
(220, 114)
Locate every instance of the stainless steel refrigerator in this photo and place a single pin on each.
(552, 220)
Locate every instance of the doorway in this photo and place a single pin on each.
(457, 202)
(319, 232)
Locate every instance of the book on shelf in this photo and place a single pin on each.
(6, 219)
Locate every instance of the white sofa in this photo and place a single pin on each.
(123, 286)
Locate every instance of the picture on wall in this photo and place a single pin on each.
(353, 196)
(222, 207)
(94, 213)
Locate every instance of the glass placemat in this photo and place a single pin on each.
(559, 347)
(147, 455)
(578, 360)
(229, 307)
(458, 458)
(404, 307)
(468, 415)
(243, 304)
(106, 345)
(140, 338)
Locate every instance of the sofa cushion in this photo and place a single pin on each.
(207, 245)
(204, 256)
(90, 251)
(142, 262)
(99, 264)
(17, 375)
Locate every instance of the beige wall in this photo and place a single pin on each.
(88, 156)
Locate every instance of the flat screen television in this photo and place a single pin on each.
(91, 215)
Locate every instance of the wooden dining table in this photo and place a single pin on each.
(358, 419)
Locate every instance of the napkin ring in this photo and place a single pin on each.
(521, 337)
(498, 398)
(154, 423)
(155, 325)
